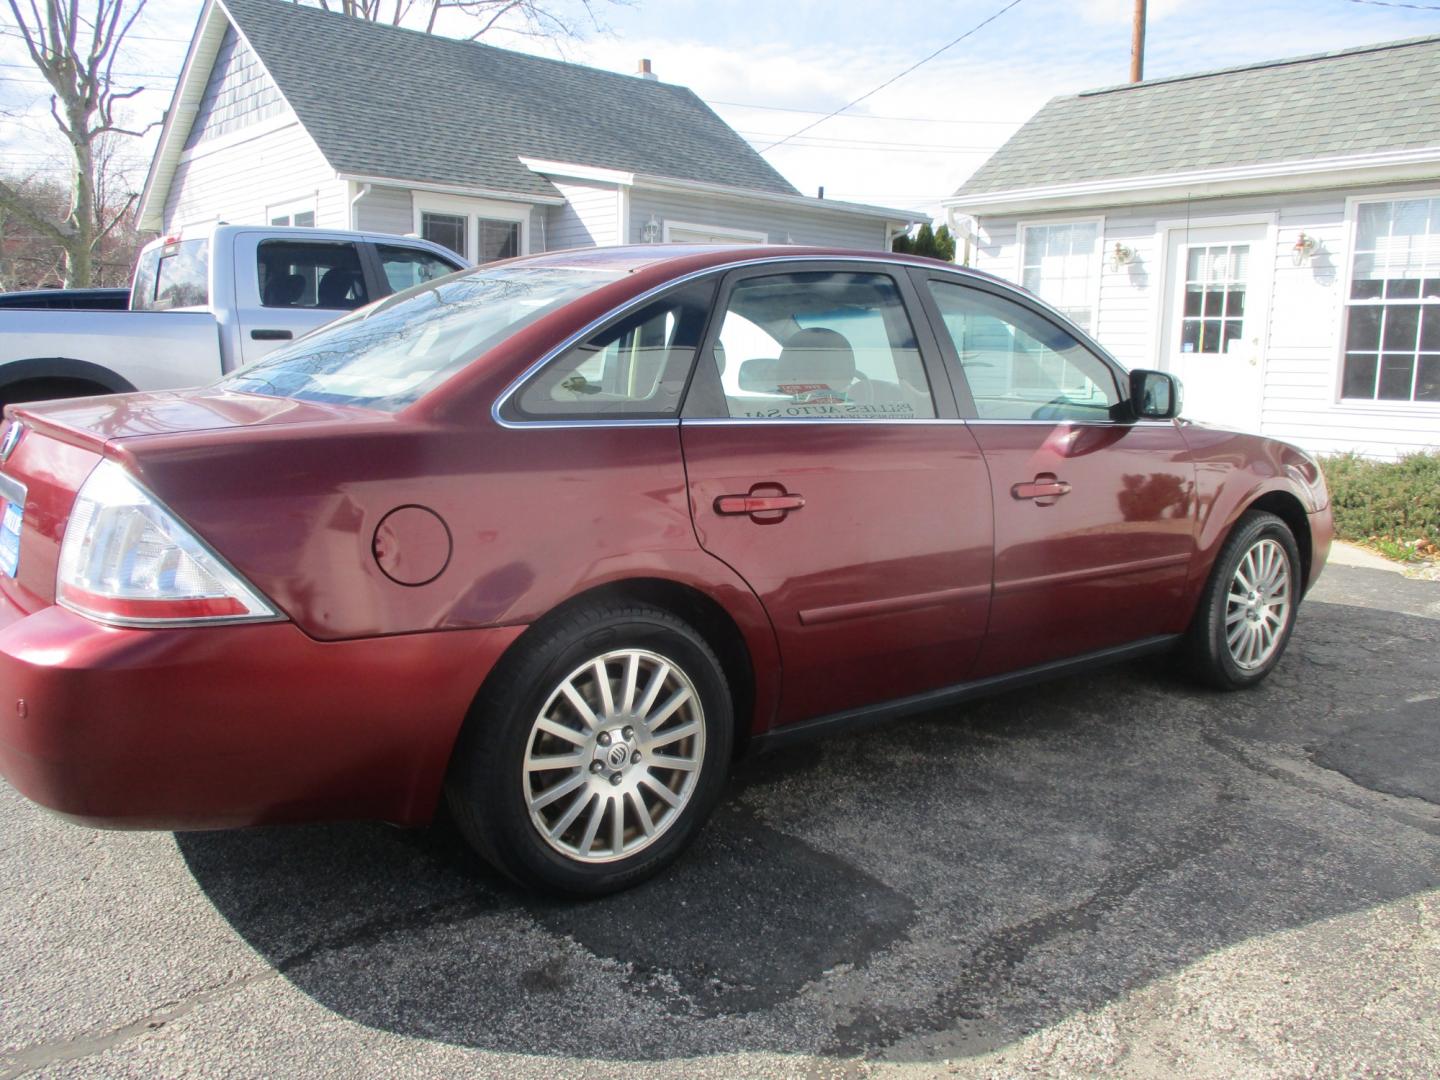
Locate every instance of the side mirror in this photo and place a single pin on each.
(1155, 395)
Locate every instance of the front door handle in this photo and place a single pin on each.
(765, 503)
(271, 335)
(1044, 489)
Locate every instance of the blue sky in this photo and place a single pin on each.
(909, 145)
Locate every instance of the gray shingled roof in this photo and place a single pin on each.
(381, 101)
(1379, 97)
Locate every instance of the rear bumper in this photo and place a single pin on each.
(208, 727)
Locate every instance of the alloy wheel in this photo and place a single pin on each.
(1257, 608)
(614, 755)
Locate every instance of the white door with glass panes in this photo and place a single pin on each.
(1217, 295)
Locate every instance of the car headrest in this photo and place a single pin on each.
(334, 290)
(816, 356)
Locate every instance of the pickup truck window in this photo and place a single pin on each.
(389, 354)
(406, 267)
(173, 276)
(298, 274)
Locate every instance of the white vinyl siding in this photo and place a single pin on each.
(239, 177)
(385, 210)
(589, 218)
(778, 224)
(1303, 341)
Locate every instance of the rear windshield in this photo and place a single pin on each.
(387, 355)
(173, 276)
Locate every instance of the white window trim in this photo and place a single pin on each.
(745, 235)
(1362, 406)
(1099, 222)
(472, 210)
(290, 207)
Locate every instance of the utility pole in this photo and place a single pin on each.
(1137, 44)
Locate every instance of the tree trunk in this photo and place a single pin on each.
(80, 245)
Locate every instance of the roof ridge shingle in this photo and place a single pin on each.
(1357, 101)
(354, 84)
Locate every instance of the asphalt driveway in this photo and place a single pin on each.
(1116, 873)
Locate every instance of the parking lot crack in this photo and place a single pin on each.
(1354, 795)
(993, 964)
(46, 1055)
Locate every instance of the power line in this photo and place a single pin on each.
(816, 140)
(850, 105)
(1398, 4)
(126, 74)
(896, 150)
(862, 116)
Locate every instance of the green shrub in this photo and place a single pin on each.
(1396, 501)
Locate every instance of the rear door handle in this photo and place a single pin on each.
(765, 503)
(271, 335)
(1044, 489)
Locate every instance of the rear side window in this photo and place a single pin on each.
(822, 345)
(387, 355)
(173, 276)
(637, 367)
(405, 268)
(1020, 365)
(297, 274)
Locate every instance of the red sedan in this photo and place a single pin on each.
(553, 539)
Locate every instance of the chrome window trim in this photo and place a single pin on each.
(721, 421)
(961, 274)
(637, 301)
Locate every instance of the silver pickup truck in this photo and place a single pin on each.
(207, 301)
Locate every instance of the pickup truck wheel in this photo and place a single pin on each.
(1248, 610)
(48, 390)
(594, 756)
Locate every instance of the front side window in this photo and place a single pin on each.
(387, 355)
(296, 274)
(1060, 264)
(1392, 332)
(822, 345)
(1020, 365)
(174, 276)
(635, 368)
(405, 267)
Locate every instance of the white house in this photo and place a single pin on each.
(286, 114)
(1270, 233)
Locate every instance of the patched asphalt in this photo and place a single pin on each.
(1118, 873)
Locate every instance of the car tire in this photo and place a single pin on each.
(1248, 609)
(551, 756)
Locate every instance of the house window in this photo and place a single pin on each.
(1060, 263)
(480, 230)
(447, 230)
(498, 240)
(1392, 332)
(300, 213)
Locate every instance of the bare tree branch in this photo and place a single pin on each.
(75, 52)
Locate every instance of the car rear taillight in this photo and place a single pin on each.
(127, 560)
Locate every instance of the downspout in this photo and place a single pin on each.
(354, 204)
